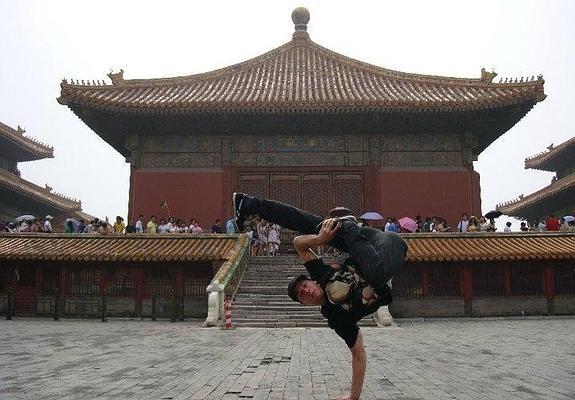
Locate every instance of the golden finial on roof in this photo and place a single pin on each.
(300, 18)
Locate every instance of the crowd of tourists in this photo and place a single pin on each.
(471, 224)
(265, 237)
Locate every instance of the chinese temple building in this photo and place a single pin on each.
(307, 126)
(21, 197)
(558, 198)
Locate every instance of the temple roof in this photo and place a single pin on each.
(139, 248)
(165, 248)
(558, 195)
(37, 193)
(489, 247)
(301, 77)
(14, 145)
(554, 158)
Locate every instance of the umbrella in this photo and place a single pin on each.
(75, 223)
(26, 217)
(493, 214)
(372, 216)
(339, 212)
(569, 218)
(408, 224)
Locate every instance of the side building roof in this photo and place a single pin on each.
(136, 248)
(170, 248)
(15, 146)
(558, 195)
(554, 158)
(12, 182)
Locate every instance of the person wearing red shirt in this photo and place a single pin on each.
(552, 223)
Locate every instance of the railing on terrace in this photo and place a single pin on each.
(227, 280)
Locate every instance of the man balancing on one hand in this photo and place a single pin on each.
(346, 293)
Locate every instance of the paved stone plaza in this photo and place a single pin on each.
(463, 359)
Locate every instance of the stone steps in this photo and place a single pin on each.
(262, 300)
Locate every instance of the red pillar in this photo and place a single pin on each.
(179, 283)
(425, 288)
(104, 272)
(466, 286)
(549, 288)
(62, 279)
(140, 290)
(507, 279)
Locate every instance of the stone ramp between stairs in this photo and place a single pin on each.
(262, 300)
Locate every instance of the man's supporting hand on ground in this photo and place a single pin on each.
(358, 364)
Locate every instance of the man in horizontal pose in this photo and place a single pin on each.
(346, 293)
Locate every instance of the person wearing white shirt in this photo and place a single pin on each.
(48, 224)
(507, 228)
(462, 225)
(140, 224)
(163, 227)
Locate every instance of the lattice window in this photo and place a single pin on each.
(84, 280)
(565, 280)
(26, 277)
(488, 280)
(158, 281)
(254, 185)
(526, 280)
(285, 188)
(444, 280)
(196, 280)
(122, 283)
(316, 194)
(50, 278)
(348, 192)
(409, 282)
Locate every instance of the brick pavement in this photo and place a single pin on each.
(446, 359)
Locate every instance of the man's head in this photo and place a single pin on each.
(305, 291)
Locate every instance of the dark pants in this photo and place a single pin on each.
(379, 254)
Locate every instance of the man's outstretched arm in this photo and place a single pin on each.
(358, 364)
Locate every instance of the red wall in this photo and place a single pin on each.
(205, 194)
(189, 193)
(447, 194)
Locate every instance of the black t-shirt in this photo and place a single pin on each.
(343, 321)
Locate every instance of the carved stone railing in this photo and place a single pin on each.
(227, 280)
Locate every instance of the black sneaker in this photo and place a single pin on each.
(349, 218)
(239, 216)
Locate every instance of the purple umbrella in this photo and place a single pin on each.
(372, 216)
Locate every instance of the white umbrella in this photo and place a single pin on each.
(569, 218)
(371, 215)
(74, 221)
(26, 217)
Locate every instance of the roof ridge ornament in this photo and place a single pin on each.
(116, 78)
(300, 18)
(487, 77)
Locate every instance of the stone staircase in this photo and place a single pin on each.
(262, 300)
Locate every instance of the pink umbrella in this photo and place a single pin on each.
(408, 224)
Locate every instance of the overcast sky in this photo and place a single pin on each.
(45, 41)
